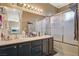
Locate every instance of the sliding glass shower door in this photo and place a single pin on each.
(62, 27)
(69, 23)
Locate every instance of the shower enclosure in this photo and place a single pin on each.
(62, 27)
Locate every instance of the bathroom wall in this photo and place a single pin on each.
(63, 8)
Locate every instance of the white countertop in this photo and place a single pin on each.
(27, 39)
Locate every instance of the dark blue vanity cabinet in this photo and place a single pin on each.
(32, 48)
(8, 51)
(24, 49)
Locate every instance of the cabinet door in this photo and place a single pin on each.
(36, 48)
(36, 51)
(8, 51)
(45, 47)
(50, 46)
(24, 49)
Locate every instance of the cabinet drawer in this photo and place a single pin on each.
(8, 51)
(36, 43)
(23, 44)
(36, 50)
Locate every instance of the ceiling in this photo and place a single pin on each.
(59, 5)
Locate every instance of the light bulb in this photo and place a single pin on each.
(35, 8)
(24, 5)
(28, 6)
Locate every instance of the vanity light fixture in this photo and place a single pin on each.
(35, 8)
(28, 6)
(31, 8)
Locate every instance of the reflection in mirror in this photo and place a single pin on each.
(14, 17)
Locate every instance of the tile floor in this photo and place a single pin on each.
(65, 49)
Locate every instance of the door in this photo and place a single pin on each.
(68, 28)
(45, 47)
(36, 51)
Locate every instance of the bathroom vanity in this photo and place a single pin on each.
(29, 46)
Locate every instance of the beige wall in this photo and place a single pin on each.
(63, 8)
